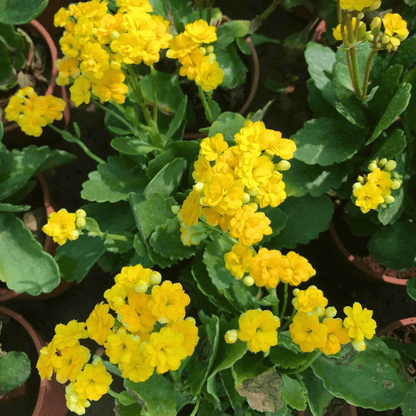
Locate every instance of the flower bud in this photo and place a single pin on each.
(141, 288)
(361, 180)
(246, 198)
(370, 37)
(115, 65)
(330, 312)
(375, 26)
(199, 186)
(248, 281)
(202, 50)
(396, 184)
(210, 49)
(389, 199)
(360, 16)
(372, 166)
(357, 185)
(295, 292)
(385, 39)
(80, 213)
(376, 4)
(114, 35)
(283, 165)
(231, 336)
(390, 165)
(175, 209)
(383, 206)
(382, 162)
(80, 223)
(96, 360)
(378, 45)
(75, 234)
(155, 278)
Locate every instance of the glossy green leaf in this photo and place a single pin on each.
(157, 394)
(122, 244)
(227, 32)
(405, 55)
(14, 371)
(293, 393)
(410, 112)
(396, 106)
(228, 124)
(167, 179)
(24, 266)
(114, 180)
(18, 12)
(319, 105)
(393, 145)
(325, 141)
(381, 385)
(6, 67)
(353, 110)
(409, 405)
(131, 146)
(237, 402)
(234, 69)
(306, 218)
(4, 207)
(249, 366)
(394, 245)
(177, 120)
(411, 288)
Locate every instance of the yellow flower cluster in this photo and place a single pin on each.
(132, 340)
(256, 327)
(373, 191)
(359, 5)
(96, 44)
(395, 31)
(315, 326)
(32, 112)
(63, 226)
(198, 63)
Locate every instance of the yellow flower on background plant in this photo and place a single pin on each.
(308, 332)
(369, 196)
(61, 17)
(191, 208)
(127, 6)
(395, 26)
(69, 335)
(212, 147)
(337, 335)
(277, 146)
(111, 85)
(252, 138)
(360, 325)
(81, 91)
(120, 346)
(382, 179)
(299, 270)
(201, 32)
(272, 192)
(99, 323)
(254, 171)
(137, 369)
(259, 329)
(116, 295)
(61, 226)
(238, 260)
(356, 4)
(337, 31)
(209, 75)
(187, 327)
(136, 277)
(70, 362)
(307, 300)
(73, 402)
(45, 361)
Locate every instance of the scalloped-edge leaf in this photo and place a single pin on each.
(381, 385)
(24, 266)
(228, 124)
(409, 405)
(14, 370)
(247, 367)
(13, 208)
(293, 393)
(307, 217)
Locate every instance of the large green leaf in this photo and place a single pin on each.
(410, 112)
(24, 266)
(409, 405)
(177, 120)
(157, 393)
(325, 141)
(369, 379)
(228, 124)
(396, 106)
(306, 218)
(234, 69)
(395, 245)
(229, 31)
(405, 55)
(293, 393)
(114, 180)
(393, 145)
(18, 12)
(411, 288)
(14, 371)
(131, 146)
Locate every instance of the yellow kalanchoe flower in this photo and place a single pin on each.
(61, 226)
(299, 270)
(45, 362)
(356, 4)
(201, 32)
(212, 147)
(73, 402)
(191, 208)
(395, 26)
(69, 335)
(81, 91)
(70, 362)
(369, 196)
(337, 335)
(307, 300)
(99, 323)
(259, 329)
(238, 260)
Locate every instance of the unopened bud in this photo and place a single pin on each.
(74, 235)
(97, 360)
(396, 184)
(115, 65)
(385, 39)
(175, 209)
(155, 278)
(202, 50)
(80, 213)
(114, 35)
(390, 165)
(330, 312)
(389, 199)
(295, 292)
(370, 37)
(357, 185)
(375, 26)
(80, 223)
(199, 186)
(383, 206)
(141, 287)
(210, 49)
(372, 166)
(378, 45)
(163, 320)
(283, 165)
(360, 16)
(254, 191)
(246, 198)
(248, 281)
(376, 4)
(231, 336)
(361, 179)
(382, 162)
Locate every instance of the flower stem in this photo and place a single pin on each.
(198, 401)
(117, 116)
(72, 139)
(282, 313)
(275, 304)
(208, 113)
(288, 320)
(353, 55)
(269, 10)
(153, 76)
(367, 72)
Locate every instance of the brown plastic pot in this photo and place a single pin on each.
(358, 266)
(255, 76)
(37, 29)
(51, 399)
(49, 246)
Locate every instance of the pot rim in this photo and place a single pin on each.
(396, 324)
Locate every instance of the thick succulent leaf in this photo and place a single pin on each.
(306, 218)
(234, 69)
(228, 124)
(293, 393)
(4, 207)
(14, 371)
(381, 385)
(18, 12)
(229, 31)
(393, 145)
(325, 141)
(24, 266)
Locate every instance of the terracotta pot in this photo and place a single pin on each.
(36, 28)
(396, 324)
(360, 268)
(255, 76)
(49, 246)
(51, 399)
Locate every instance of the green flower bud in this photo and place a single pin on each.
(385, 39)
(389, 199)
(372, 166)
(283, 165)
(357, 185)
(248, 281)
(390, 165)
(375, 26)
(80, 213)
(396, 184)
(382, 162)
(80, 223)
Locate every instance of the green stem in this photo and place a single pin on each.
(131, 119)
(269, 10)
(73, 139)
(153, 76)
(208, 113)
(275, 305)
(353, 54)
(117, 116)
(113, 369)
(339, 13)
(288, 321)
(282, 313)
(367, 72)
(118, 237)
(198, 401)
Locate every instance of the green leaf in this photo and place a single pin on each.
(237, 402)
(157, 393)
(167, 179)
(215, 109)
(178, 10)
(259, 39)
(169, 92)
(302, 179)
(306, 218)
(177, 120)
(260, 114)
(204, 355)
(228, 124)
(396, 106)
(319, 105)
(320, 60)
(405, 55)
(353, 110)
(278, 219)
(410, 112)
(122, 245)
(227, 32)
(234, 69)
(166, 241)
(325, 141)
(6, 68)
(153, 212)
(369, 379)
(318, 396)
(24, 266)
(227, 354)
(18, 12)
(393, 145)
(411, 288)
(247, 367)
(394, 245)
(13, 208)
(131, 146)
(14, 371)
(409, 405)
(293, 393)
(114, 180)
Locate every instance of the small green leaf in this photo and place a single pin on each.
(234, 69)
(14, 371)
(119, 243)
(247, 367)
(227, 32)
(394, 245)
(157, 393)
(325, 141)
(411, 288)
(260, 114)
(228, 124)
(131, 146)
(20, 12)
(13, 208)
(409, 404)
(177, 120)
(396, 106)
(215, 109)
(293, 393)
(393, 145)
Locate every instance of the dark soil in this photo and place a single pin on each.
(287, 114)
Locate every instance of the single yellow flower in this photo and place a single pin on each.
(61, 226)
